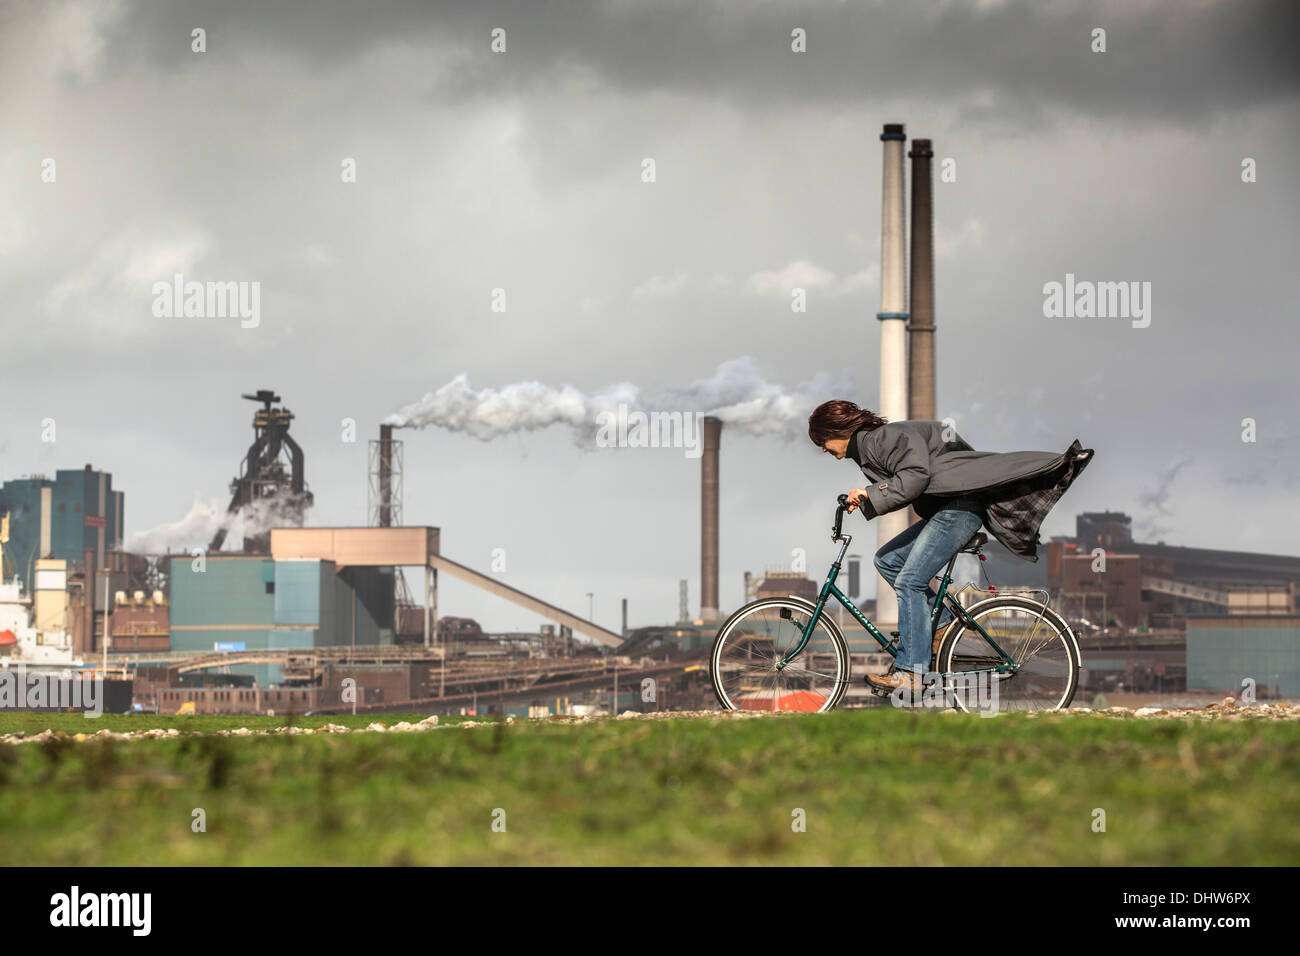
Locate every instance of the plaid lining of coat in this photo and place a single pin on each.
(1015, 511)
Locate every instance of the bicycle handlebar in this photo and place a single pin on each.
(839, 515)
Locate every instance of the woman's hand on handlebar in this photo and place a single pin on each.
(854, 496)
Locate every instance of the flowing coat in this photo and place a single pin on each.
(912, 462)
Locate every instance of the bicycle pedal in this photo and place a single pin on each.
(874, 689)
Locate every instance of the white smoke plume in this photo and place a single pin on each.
(737, 394)
(205, 517)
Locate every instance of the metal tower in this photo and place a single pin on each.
(271, 488)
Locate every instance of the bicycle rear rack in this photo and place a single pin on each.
(1041, 595)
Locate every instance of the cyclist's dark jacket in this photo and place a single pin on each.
(927, 464)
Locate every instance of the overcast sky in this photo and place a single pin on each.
(522, 170)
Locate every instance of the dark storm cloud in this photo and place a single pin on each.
(1001, 63)
(522, 171)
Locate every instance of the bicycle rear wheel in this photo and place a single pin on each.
(749, 645)
(1033, 635)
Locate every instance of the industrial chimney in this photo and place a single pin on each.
(385, 476)
(893, 336)
(709, 520)
(385, 488)
(920, 323)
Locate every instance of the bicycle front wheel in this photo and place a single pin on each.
(1034, 636)
(746, 656)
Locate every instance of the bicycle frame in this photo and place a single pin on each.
(829, 590)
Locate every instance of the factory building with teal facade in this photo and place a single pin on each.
(247, 602)
(1224, 651)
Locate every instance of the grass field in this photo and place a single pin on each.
(882, 786)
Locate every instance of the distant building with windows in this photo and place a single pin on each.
(1103, 575)
(60, 517)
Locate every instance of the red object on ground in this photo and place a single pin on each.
(800, 700)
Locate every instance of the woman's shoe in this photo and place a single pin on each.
(892, 680)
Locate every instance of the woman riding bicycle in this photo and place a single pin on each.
(954, 490)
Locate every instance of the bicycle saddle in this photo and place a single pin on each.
(977, 541)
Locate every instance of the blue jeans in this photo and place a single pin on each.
(908, 562)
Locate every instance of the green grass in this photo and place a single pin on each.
(877, 787)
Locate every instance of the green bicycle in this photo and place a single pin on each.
(784, 654)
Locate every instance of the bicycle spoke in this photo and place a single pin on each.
(796, 669)
(746, 654)
(1033, 640)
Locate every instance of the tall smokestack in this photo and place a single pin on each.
(385, 476)
(709, 520)
(893, 335)
(384, 485)
(920, 324)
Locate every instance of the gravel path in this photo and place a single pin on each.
(1228, 709)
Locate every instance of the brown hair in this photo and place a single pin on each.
(839, 419)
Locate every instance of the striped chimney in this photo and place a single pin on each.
(893, 337)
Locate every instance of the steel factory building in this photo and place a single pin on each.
(1103, 575)
(237, 602)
